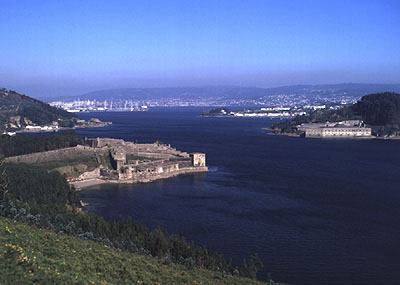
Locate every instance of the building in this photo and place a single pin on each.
(144, 162)
(344, 129)
(198, 159)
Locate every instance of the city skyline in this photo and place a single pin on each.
(69, 48)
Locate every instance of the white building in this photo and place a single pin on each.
(345, 129)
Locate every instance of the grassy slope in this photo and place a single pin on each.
(29, 254)
(71, 167)
(76, 166)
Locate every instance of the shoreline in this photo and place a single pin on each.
(344, 137)
(81, 184)
(64, 129)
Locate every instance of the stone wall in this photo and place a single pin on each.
(52, 155)
(170, 162)
(154, 150)
(151, 176)
(198, 159)
(90, 174)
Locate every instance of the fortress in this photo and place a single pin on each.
(119, 161)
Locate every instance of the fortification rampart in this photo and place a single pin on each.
(52, 155)
(155, 150)
(152, 161)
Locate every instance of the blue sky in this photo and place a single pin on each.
(51, 48)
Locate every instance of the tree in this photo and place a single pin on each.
(3, 181)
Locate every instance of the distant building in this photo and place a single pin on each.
(344, 129)
(33, 127)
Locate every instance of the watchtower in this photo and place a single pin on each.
(198, 159)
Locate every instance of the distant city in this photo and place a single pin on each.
(77, 106)
(271, 112)
(278, 101)
(297, 96)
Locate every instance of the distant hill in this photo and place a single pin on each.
(354, 90)
(222, 92)
(379, 109)
(21, 110)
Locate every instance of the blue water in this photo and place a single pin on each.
(316, 211)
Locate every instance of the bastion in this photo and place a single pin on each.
(116, 161)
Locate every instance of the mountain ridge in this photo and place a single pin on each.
(356, 90)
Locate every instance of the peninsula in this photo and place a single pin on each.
(106, 160)
(270, 112)
(41, 214)
(374, 116)
(20, 113)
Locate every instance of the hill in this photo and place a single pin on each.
(18, 111)
(32, 195)
(380, 111)
(221, 92)
(314, 93)
(32, 255)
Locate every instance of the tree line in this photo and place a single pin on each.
(19, 145)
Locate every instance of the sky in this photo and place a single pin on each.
(59, 48)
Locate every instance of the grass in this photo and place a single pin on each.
(33, 255)
(71, 167)
(76, 166)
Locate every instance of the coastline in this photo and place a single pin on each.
(84, 183)
(102, 125)
(80, 184)
(282, 134)
(344, 137)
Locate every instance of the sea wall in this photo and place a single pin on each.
(84, 181)
(186, 170)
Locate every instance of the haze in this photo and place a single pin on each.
(54, 48)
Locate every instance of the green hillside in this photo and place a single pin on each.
(45, 200)
(32, 255)
(17, 111)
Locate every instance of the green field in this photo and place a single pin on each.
(33, 255)
(76, 166)
(71, 167)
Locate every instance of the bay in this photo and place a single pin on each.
(316, 211)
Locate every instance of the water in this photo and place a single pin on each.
(316, 211)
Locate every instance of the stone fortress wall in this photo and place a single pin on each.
(151, 161)
(160, 161)
(59, 154)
